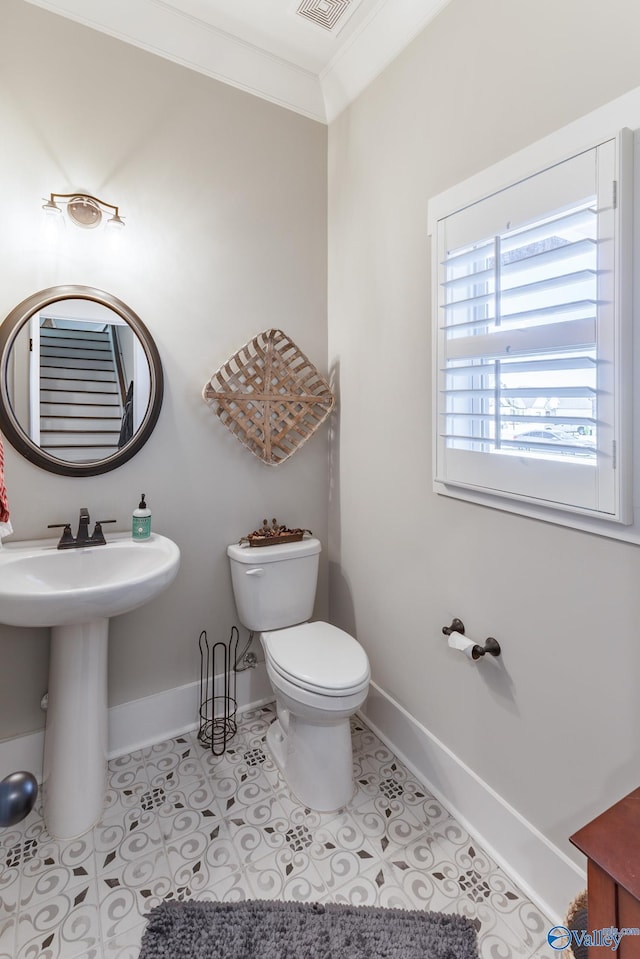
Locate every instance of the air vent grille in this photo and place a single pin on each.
(326, 13)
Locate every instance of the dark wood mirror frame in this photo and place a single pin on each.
(10, 426)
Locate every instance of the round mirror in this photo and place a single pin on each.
(80, 381)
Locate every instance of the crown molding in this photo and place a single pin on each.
(382, 37)
(159, 28)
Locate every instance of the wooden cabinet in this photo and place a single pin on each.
(611, 843)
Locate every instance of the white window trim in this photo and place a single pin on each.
(581, 135)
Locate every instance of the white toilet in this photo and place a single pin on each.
(319, 674)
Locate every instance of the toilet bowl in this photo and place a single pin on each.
(319, 674)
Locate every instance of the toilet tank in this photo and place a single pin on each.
(275, 586)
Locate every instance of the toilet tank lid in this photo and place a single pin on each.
(258, 555)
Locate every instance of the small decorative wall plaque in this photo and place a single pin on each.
(270, 396)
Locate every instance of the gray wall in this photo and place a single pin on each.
(224, 196)
(553, 727)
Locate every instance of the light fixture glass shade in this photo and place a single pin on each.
(115, 222)
(51, 208)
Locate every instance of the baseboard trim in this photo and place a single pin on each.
(22, 753)
(141, 722)
(539, 868)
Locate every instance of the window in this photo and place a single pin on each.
(532, 339)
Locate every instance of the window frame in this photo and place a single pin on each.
(543, 156)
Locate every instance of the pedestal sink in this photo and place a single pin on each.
(75, 592)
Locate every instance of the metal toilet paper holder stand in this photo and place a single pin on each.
(491, 645)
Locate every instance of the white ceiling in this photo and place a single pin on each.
(311, 56)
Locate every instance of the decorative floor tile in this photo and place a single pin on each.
(468, 872)
(127, 780)
(9, 893)
(374, 887)
(529, 925)
(525, 920)
(286, 875)
(256, 722)
(126, 945)
(20, 843)
(119, 842)
(252, 793)
(37, 891)
(300, 815)
(234, 887)
(388, 825)
(190, 839)
(258, 830)
(419, 887)
(218, 765)
(451, 833)
(61, 926)
(196, 796)
(366, 781)
(202, 860)
(544, 951)
(172, 762)
(236, 783)
(472, 886)
(495, 938)
(421, 854)
(57, 868)
(363, 739)
(431, 814)
(128, 893)
(185, 822)
(335, 866)
(180, 823)
(8, 927)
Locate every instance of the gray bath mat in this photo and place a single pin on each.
(257, 929)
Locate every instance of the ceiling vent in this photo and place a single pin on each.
(326, 13)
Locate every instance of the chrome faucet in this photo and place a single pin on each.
(83, 538)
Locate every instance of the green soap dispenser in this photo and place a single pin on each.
(141, 521)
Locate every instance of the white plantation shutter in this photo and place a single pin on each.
(531, 341)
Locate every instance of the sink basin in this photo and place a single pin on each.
(75, 592)
(41, 585)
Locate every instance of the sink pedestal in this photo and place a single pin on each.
(75, 741)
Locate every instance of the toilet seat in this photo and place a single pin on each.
(318, 657)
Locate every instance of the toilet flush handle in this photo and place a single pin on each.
(256, 571)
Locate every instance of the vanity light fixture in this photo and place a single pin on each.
(84, 210)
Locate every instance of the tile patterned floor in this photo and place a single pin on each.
(181, 823)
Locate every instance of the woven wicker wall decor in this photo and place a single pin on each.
(270, 396)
